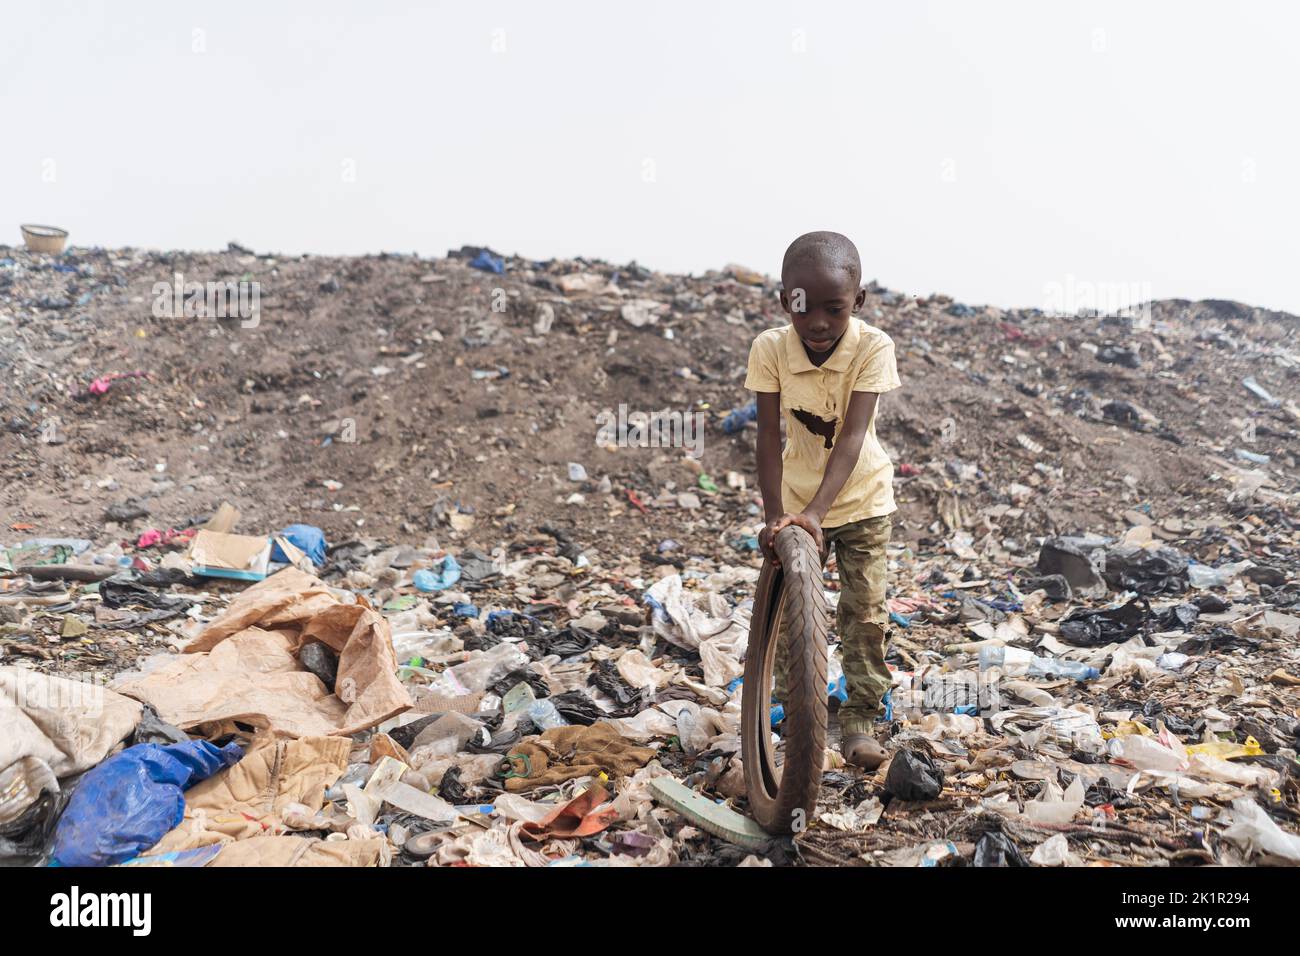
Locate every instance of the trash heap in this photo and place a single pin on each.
(488, 639)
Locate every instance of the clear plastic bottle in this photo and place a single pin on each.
(1050, 667)
(486, 668)
(545, 716)
(1017, 662)
(1014, 661)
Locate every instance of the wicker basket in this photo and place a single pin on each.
(49, 239)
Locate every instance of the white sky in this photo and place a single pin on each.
(984, 149)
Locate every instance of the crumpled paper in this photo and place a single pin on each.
(244, 669)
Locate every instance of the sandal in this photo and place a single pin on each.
(863, 750)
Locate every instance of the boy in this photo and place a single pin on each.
(825, 371)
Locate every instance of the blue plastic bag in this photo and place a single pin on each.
(306, 538)
(440, 578)
(129, 802)
(738, 418)
(488, 262)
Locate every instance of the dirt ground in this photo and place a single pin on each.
(384, 350)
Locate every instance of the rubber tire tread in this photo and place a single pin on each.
(782, 801)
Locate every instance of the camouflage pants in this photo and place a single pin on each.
(860, 619)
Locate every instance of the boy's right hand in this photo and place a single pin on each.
(767, 537)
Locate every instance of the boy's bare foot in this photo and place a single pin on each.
(863, 751)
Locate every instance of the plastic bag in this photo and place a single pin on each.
(1256, 833)
(307, 538)
(1160, 753)
(1109, 625)
(439, 578)
(913, 776)
(1179, 617)
(1071, 558)
(577, 708)
(1162, 571)
(997, 849)
(126, 804)
(1054, 851)
(30, 804)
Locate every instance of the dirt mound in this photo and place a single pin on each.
(381, 395)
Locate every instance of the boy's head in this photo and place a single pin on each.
(821, 278)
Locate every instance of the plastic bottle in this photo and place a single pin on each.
(485, 669)
(1017, 662)
(1049, 667)
(545, 716)
(1014, 661)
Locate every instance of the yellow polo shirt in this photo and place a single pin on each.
(813, 401)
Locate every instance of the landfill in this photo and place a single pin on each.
(450, 562)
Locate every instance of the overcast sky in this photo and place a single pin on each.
(994, 151)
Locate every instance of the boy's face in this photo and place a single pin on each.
(820, 299)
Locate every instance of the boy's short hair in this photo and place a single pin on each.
(830, 248)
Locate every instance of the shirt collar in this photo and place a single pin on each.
(840, 359)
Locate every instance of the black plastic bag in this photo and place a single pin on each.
(481, 642)
(1107, 626)
(1070, 560)
(451, 789)
(1180, 617)
(913, 775)
(577, 708)
(117, 594)
(1211, 604)
(607, 679)
(1163, 571)
(512, 624)
(152, 729)
(567, 642)
(522, 675)
(26, 839)
(1056, 585)
(503, 741)
(477, 568)
(995, 848)
(405, 734)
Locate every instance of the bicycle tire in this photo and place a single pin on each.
(782, 799)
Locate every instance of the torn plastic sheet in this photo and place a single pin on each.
(677, 619)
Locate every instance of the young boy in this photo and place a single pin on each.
(825, 371)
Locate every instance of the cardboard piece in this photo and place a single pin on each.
(296, 557)
(223, 520)
(239, 556)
